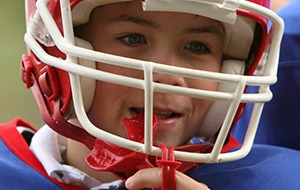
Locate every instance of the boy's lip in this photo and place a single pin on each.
(167, 118)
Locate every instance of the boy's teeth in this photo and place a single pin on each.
(160, 115)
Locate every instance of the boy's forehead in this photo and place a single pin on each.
(82, 9)
(133, 12)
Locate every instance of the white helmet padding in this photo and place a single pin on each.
(88, 85)
(238, 38)
(216, 115)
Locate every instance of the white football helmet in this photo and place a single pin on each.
(60, 69)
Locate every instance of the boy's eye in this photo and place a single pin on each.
(197, 47)
(133, 39)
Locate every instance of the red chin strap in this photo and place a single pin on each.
(52, 108)
(124, 163)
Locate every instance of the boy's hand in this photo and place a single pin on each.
(152, 178)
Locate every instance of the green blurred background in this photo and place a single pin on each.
(15, 99)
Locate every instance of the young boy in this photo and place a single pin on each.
(141, 79)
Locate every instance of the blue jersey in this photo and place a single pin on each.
(20, 169)
(266, 167)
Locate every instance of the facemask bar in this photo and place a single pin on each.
(66, 44)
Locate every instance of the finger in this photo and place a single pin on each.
(152, 178)
(145, 178)
(185, 182)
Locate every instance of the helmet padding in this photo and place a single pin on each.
(216, 115)
(88, 85)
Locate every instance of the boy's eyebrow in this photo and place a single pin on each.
(219, 29)
(213, 29)
(136, 20)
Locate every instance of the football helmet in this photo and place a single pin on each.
(60, 68)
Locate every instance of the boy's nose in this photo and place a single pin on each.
(170, 79)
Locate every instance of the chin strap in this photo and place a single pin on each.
(124, 163)
(52, 112)
(121, 161)
(169, 166)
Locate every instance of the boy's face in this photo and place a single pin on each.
(169, 38)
